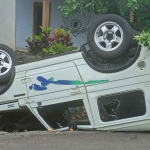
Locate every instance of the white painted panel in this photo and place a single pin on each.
(62, 60)
(131, 75)
(47, 80)
(9, 106)
(49, 68)
(56, 95)
(141, 125)
(94, 107)
(16, 88)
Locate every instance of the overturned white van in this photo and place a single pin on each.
(109, 82)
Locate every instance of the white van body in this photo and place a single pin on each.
(69, 78)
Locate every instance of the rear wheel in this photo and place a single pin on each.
(110, 36)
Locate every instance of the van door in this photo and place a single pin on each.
(59, 80)
(58, 85)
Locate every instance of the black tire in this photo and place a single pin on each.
(135, 32)
(11, 53)
(127, 37)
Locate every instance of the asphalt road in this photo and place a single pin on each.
(39, 140)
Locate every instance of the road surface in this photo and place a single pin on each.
(41, 140)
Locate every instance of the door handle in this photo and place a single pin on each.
(27, 80)
(76, 90)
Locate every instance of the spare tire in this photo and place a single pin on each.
(110, 36)
(8, 59)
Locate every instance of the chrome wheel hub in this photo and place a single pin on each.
(5, 62)
(108, 36)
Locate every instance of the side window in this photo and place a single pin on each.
(121, 106)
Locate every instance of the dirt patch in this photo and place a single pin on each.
(24, 57)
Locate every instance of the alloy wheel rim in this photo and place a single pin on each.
(5, 62)
(108, 36)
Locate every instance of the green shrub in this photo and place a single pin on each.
(136, 12)
(140, 12)
(48, 43)
(58, 48)
(144, 38)
(35, 46)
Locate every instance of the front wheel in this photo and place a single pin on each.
(8, 60)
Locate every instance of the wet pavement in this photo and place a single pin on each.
(78, 140)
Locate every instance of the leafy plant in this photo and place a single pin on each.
(134, 11)
(132, 5)
(15, 131)
(61, 36)
(50, 43)
(98, 6)
(144, 38)
(35, 46)
(58, 48)
(60, 42)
